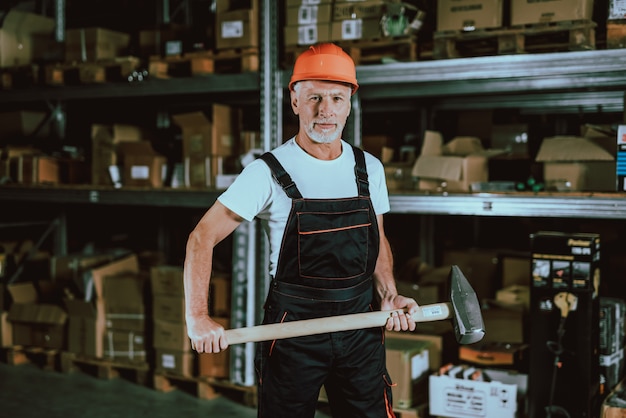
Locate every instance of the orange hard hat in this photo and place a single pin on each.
(327, 62)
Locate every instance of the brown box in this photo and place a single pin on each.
(309, 14)
(86, 327)
(35, 324)
(525, 12)
(219, 295)
(308, 34)
(6, 330)
(215, 364)
(577, 163)
(126, 264)
(123, 345)
(72, 266)
(169, 308)
(93, 44)
(459, 15)
(104, 141)
(203, 137)
(17, 43)
(237, 29)
(34, 169)
(167, 280)
(480, 267)
(170, 335)
(124, 302)
(371, 9)
(408, 367)
(443, 347)
(142, 166)
(354, 29)
(453, 166)
(181, 363)
(200, 172)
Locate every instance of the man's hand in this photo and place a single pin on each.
(400, 322)
(206, 335)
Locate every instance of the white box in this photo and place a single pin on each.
(453, 397)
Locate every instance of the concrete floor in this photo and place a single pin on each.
(28, 391)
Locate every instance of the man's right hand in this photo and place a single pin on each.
(206, 335)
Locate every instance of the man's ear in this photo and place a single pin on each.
(294, 102)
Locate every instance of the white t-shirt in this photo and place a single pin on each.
(255, 193)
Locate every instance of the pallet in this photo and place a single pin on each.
(205, 387)
(229, 61)
(97, 72)
(19, 77)
(365, 51)
(536, 38)
(376, 51)
(135, 372)
(44, 358)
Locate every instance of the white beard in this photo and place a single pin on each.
(324, 137)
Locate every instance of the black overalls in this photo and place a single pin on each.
(327, 258)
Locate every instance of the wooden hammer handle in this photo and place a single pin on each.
(426, 313)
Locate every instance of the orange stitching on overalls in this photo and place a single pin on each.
(388, 406)
(321, 231)
(274, 341)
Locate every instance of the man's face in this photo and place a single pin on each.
(322, 107)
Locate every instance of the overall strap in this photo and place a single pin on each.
(361, 172)
(281, 176)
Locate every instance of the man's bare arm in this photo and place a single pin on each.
(217, 223)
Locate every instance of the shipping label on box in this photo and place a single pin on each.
(452, 397)
(621, 158)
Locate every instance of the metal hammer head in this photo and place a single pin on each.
(467, 316)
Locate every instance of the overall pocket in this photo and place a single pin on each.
(333, 245)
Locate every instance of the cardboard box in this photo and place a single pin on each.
(169, 308)
(498, 355)
(123, 345)
(93, 44)
(200, 172)
(237, 29)
(408, 365)
(17, 37)
(372, 9)
(94, 287)
(525, 12)
(170, 335)
(308, 34)
(440, 335)
(354, 29)
(479, 265)
(309, 14)
(515, 295)
(71, 267)
(453, 166)
(514, 269)
(613, 405)
(219, 295)
(124, 301)
(203, 137)
(181, 363)
(6, 330)
(34, 169)
(505, 324)
(577, 163)
(454, 397)
(215, 364)
(35, 324)
(167, 280)
(467, 15)
(86, 327)
(104, 142)
(621, 158)
(142, 166)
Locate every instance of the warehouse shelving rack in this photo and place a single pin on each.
(583, 81)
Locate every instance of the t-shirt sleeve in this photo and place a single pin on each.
(250, 193)
(378, 185)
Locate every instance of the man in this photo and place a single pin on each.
(321, 202)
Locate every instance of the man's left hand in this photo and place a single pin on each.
(400, 322)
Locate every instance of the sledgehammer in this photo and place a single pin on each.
(463, 309)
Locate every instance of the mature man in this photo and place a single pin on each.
(321, 202)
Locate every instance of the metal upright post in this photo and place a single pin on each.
(250, 279)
